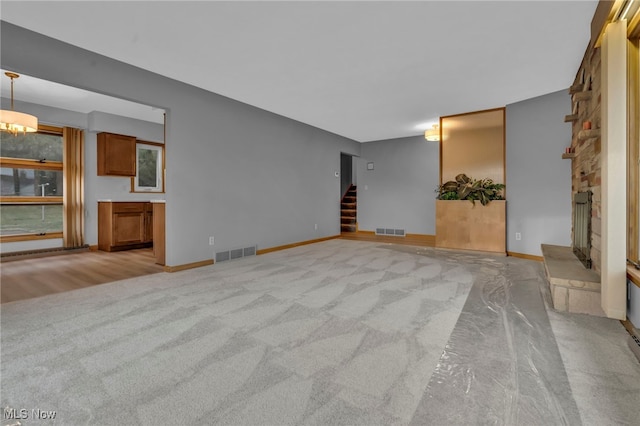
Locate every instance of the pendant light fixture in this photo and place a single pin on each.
(16, 122)
(433, 135)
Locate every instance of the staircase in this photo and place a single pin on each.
(348, 208)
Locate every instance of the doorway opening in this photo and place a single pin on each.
(348, 195)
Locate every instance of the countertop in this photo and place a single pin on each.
(131, 201)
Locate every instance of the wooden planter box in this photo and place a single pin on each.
(466, 226)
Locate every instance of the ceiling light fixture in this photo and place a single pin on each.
(433, 135)
(14, 122)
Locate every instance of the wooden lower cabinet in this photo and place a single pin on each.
(124, 225)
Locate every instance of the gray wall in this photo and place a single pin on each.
(399, 192)
(633, 304)
(538, 179)
(241, 174)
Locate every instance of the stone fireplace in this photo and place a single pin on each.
(604, 113)
(574, 272)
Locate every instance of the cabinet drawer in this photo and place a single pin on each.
(128, 207)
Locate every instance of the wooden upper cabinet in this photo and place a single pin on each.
(116, 155)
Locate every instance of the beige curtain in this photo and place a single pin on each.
(73, 182)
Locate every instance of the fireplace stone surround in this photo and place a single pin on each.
(586, 145)
(576, 287)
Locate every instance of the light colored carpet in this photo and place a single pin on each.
(339, 332)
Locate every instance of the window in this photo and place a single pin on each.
(149, 168)
(31, 185)
(633, 151)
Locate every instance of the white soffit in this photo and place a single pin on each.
(43, 92)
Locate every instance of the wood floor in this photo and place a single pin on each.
(28, 278)
(409, 239)
(35, 277)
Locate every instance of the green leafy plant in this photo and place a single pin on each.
(465, 188)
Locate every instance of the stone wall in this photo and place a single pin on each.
(586, 143)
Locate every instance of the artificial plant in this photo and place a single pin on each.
(465, 188)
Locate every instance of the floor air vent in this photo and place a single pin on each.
(390, 232)
(222, 256)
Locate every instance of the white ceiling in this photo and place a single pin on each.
(364, 70)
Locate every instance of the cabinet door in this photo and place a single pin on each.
(116, 155)
(128, 228)
(148, 235)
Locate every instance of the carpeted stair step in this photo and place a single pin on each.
(348, 206)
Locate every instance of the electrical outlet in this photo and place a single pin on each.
(211, 241)
(518, 236)
(315, 226)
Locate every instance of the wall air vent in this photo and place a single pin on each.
(390, 232)
(239, 253)
(221, 256)
(236, 254)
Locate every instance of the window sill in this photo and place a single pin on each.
(29, 237)
(146, 192)
(634, 275)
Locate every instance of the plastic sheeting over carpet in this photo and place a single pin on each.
(501, 364)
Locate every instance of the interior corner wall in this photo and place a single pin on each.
(538, 184)
(236, 172)
(399, 192)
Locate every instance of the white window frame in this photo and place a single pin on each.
(159, 186)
